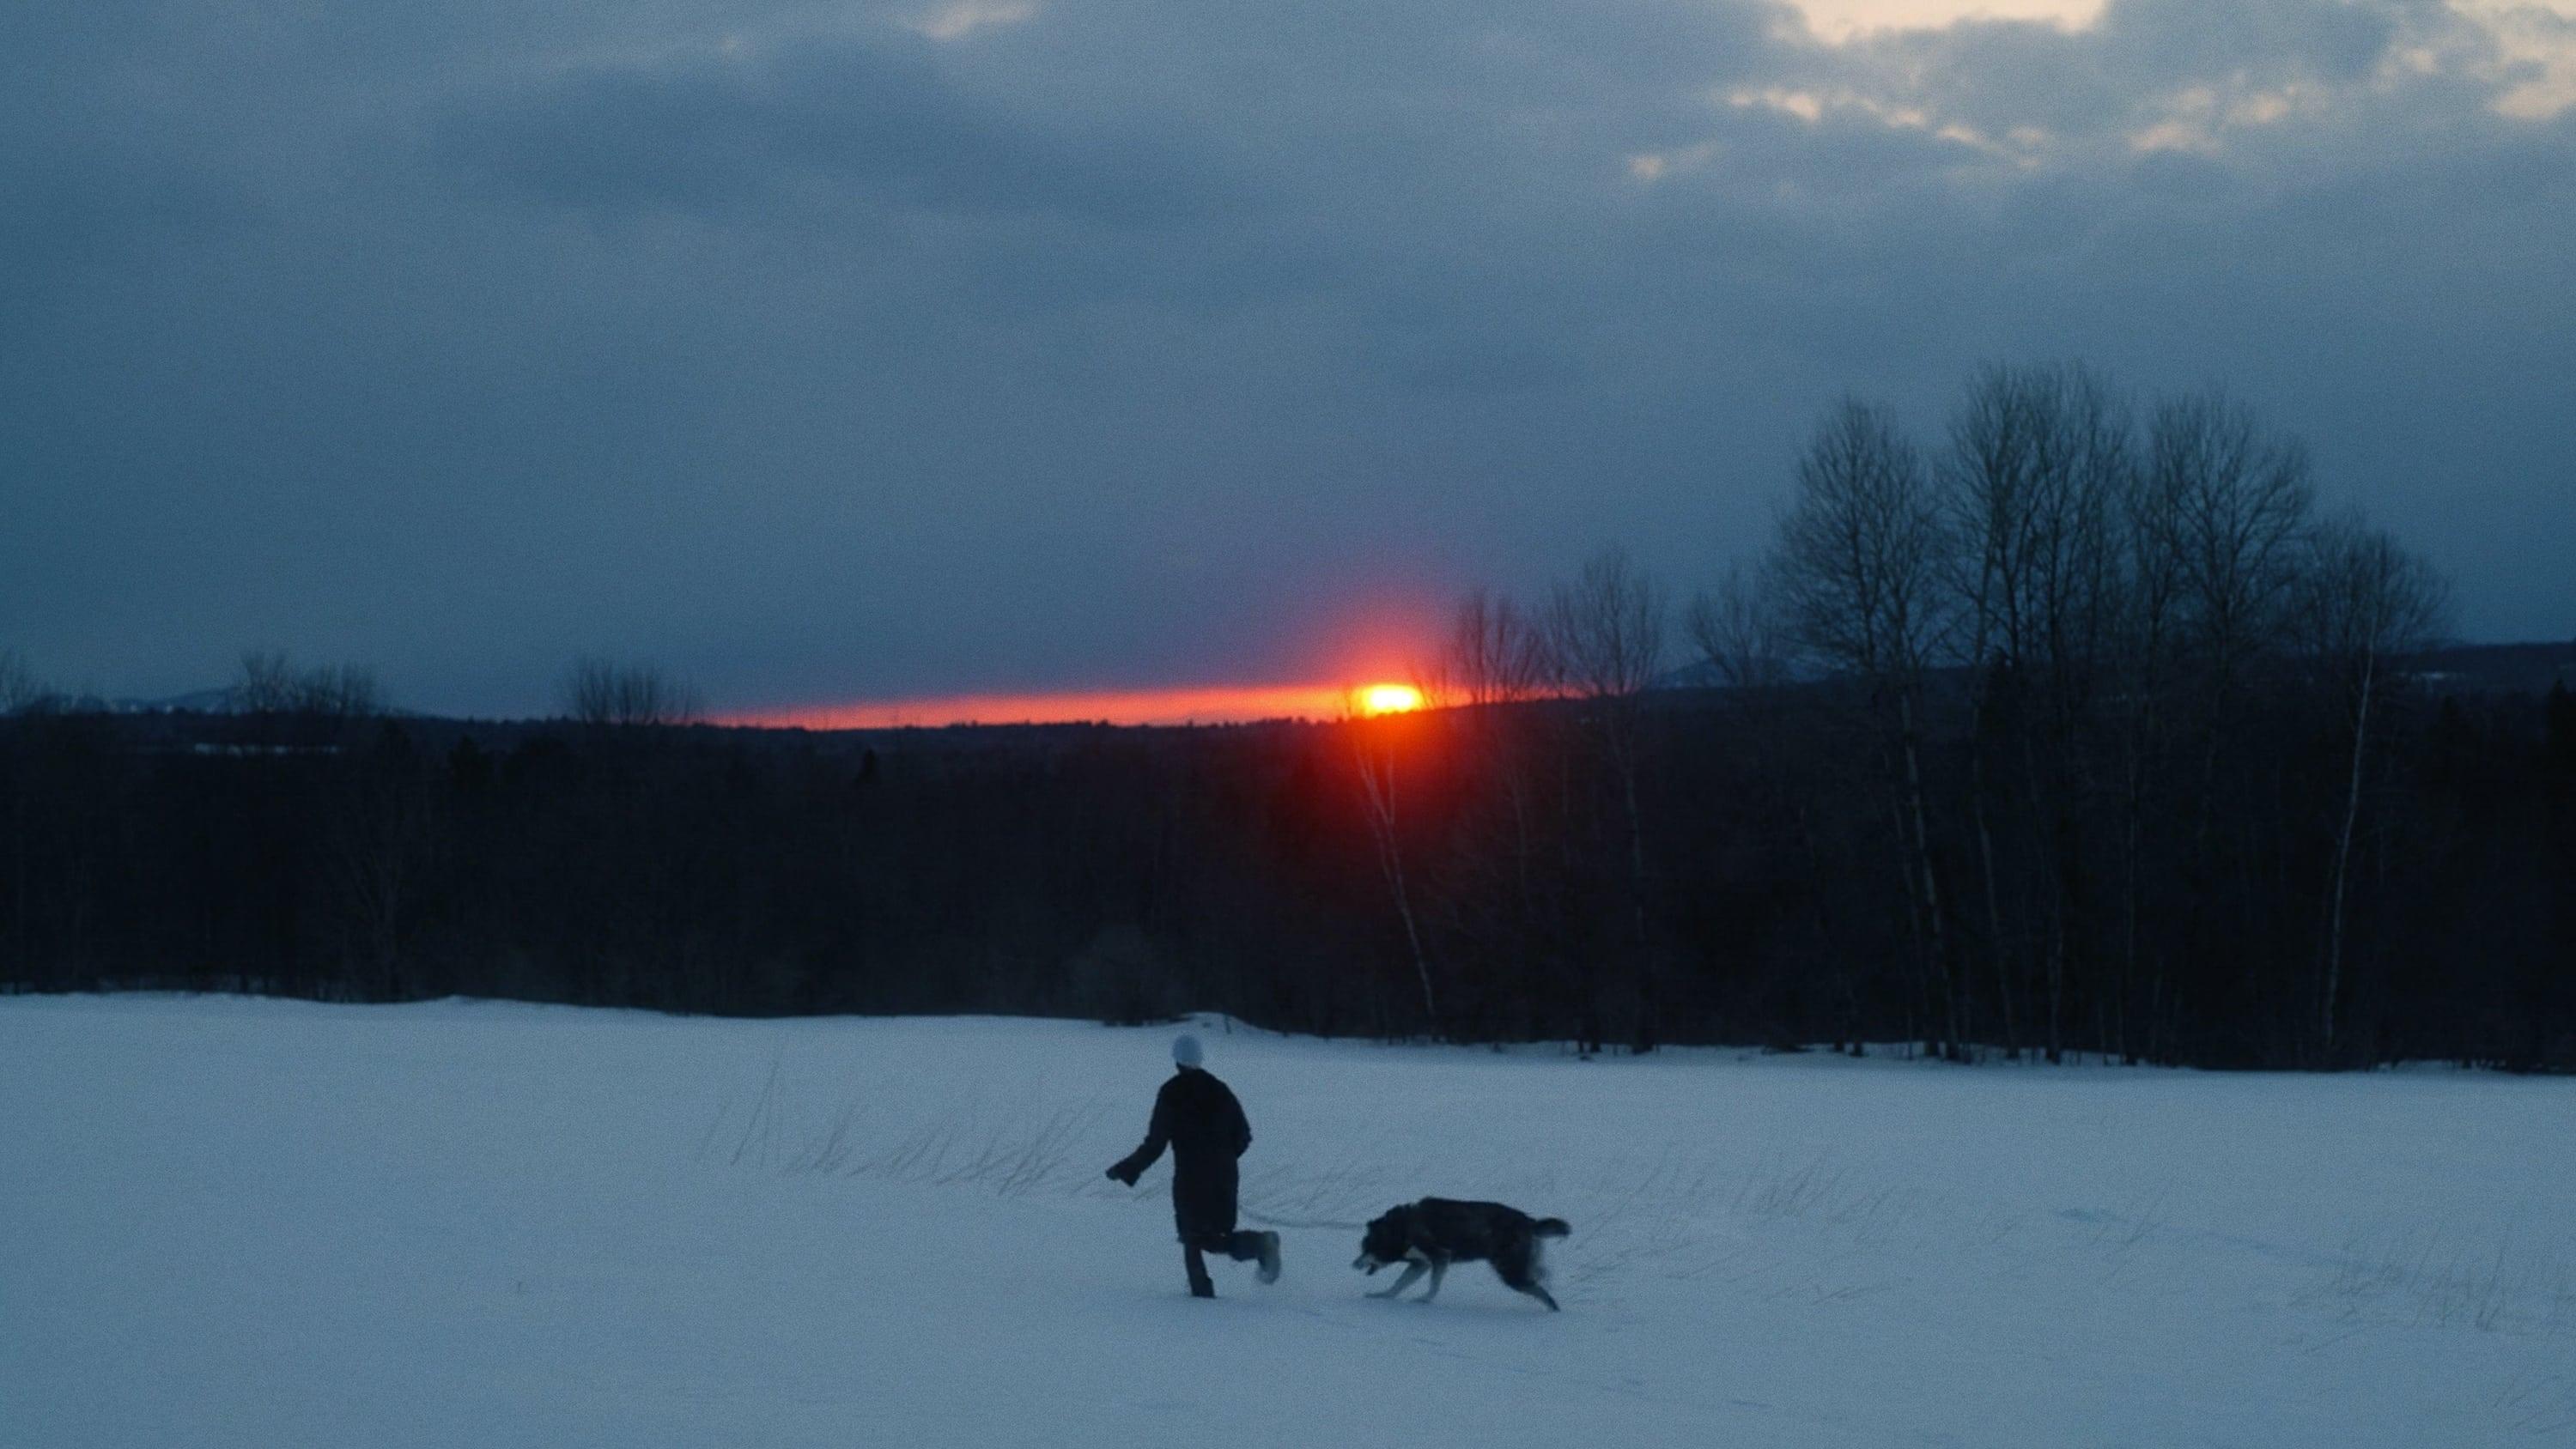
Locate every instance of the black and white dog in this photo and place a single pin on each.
(1438, 1231)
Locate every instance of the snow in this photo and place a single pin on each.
(235, 1222)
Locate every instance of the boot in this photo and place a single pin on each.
(1262, 1247)
(1200, 1285)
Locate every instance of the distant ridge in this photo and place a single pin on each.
(222, 701)
(2453, 669)
(203, 701)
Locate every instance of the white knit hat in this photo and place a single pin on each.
(1185, 1050)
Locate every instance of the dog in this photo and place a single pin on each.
(1429, 1235)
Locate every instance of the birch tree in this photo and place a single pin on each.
(1606, 631)
(2039, 460)
(2362, 598)
(1859, 561)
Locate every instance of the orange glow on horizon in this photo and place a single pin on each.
(1377, 699)
(1185, 704)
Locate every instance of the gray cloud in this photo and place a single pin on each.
(1136, 341)
(838, 122)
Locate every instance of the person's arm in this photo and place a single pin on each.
(1158, 1135)
(1242, 1126)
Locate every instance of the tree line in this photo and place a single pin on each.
(2082, 730)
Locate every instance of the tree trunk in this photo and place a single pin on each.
(1390, 855)
(2343, 858)
(1936, 941)
(1994, 905)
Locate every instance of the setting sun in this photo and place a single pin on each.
(1377, 699)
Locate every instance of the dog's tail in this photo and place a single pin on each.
(1550, 1228)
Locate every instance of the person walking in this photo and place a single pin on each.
(1198, 1117)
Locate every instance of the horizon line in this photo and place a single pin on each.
(1162, 705)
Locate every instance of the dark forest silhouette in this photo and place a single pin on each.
(2082, 733)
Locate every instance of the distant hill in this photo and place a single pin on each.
(2452, 669)
(224, 701)
(203, 701)
(2496, 668)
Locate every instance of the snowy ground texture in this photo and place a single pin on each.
(228, 1222)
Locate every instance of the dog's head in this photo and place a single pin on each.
(1387, 1240)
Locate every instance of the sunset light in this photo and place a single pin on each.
(1377, 699)
(1170, 705)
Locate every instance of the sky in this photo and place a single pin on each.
(904, 353)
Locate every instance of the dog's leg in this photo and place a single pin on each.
(1522, 1272)
(1411, 1272)
(1439, 1269)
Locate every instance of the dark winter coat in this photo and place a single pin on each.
(1199, 1119)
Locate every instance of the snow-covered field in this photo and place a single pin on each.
(228, 1222)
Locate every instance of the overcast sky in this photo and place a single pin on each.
(860, 351)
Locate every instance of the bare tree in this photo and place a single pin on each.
(270, 683)
(1375, 748)
(1495, 654)
(1859, 561)
(597, 691)
(1737, 633)
(2039, 460)
(2001, 461)
(1605, 630)
(2239, 498)
(345, 691)
(1485, 885)
(265, 683)
(20, 692)
(2145, 620)
(1860, 550)
(2362, 598)
(2232, 500)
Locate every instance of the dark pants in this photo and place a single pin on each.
(1203, 1214)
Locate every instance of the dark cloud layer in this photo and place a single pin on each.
(834, 122)
(821, 351)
